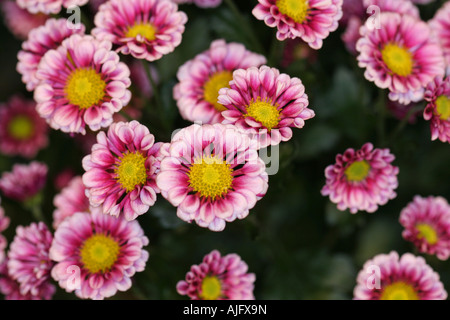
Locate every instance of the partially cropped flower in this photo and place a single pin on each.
(200, 79)
(145, 29)
(265, 104)
(400, 55)
(4, 223)
(19, 21)
(22, 131)
(82, 83)
(440, 24)
(70, 200)
(201, 3)
(24, 181)
(311, 20)
(41, 40)
(28, 258)
(400, 6)
(121, 170)
(107, 252)
(49, 6)
(437, 111)
(390, 277)
(212, 174)
(350, 9)
(427, 225)
(218, 278)
(361, 179)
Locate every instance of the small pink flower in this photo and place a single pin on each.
(22, 131)
(107, 251)
(19, 21)
(361, 179)
(311, 20)
(427, 225)
(82, 83)
(41, 40)
(218, 278)
(49, 6)
(145, 29)
(437, 111)
(24, 181)
(265, 103)
(4, 223)
(28, 258)
(212, 174)
(401, 56)
(200, 79)
(388, 277)
(121, 170)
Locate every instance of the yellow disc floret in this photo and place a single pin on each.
(99, 253)
(427, 232)
(443, 107)
(398, 59)
(211, 288)
(146, 30)
(357, 171)
(297, 10)
(85, 88)
(399, 291)
(264, 112)
(211, 88)
(131, 171)
(21, 127)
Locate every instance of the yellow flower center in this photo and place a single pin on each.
(357, 171)
(427, 232)
(146, 30)
(99, 253)
(131, 170)
(264, 112)
(211, 178)
(85, 88)
(21, 127)
(443, 107)
(297, 10)
(216, 82)
(399, 291)
(398, 59)
(211, 288)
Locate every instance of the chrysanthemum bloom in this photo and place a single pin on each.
(212, 174)
(201, 3)
(41, 40)
(400, 55)
(146, 29)
(22, 131)
(427, 225)
(437, 111)
(28, 258)
(70, 200)
(82, 83)
(19, 21)
(121, 170)
(10, 288)
(390, 277)
(218, 278)
(265, 103)
(49, 6)
(104, 251)
(361, 179)
(311, 20)
(200, 79)
(24, 181)
(4, 223)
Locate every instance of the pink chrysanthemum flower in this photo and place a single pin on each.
(390, 277)
(28, 258)
(361, 179)
(218, 278)
(24, 181)
(49, 6)
(70, 200)
(311, 20)
(427, 225)
(4, 223)
(19, 21)
(440, 24)
(121, 170)
(201, 3)
(22, 131)
(400, 55)
(41, 40)
(201, 78)
(437, 111)
(145, 29)
(212, 174)
(82, 83)
(10, 288)
(265, 103)
(105, 252)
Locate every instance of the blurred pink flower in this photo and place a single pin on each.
(49, 6)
